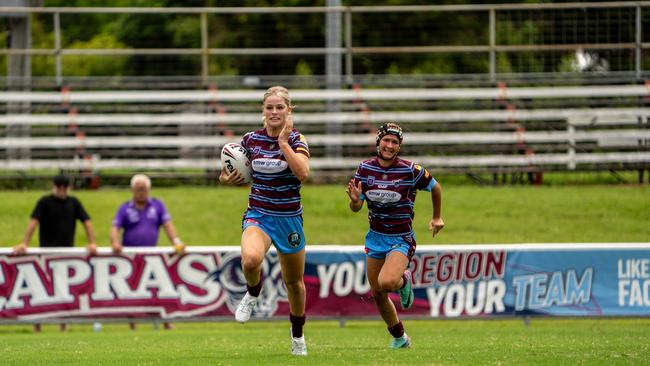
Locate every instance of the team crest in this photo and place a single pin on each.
(256, 150)
(396, 183)
(371, 180)
(294, 239)
(384, 176)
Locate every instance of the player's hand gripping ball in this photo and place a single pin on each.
(234, 157)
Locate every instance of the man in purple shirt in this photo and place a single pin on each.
(140, 219)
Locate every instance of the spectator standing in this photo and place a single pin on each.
(140, 220)
(56, 217)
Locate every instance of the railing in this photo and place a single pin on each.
(507, 137)
(628, 18)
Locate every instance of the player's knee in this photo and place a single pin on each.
(389, 284)
(295, 286)
(251, 262)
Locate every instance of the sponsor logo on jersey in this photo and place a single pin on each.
(383, 196)
(268, 165)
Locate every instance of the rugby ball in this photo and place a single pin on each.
(236, 157)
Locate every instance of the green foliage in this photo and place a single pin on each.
(95, 65)
(302, 68)
(435, 342)
(279, 30)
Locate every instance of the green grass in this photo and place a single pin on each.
(211, 216)
(435, 342)
(473, 215)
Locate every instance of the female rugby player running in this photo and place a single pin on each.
(279, 158)
(389, 185)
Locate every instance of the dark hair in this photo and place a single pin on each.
(61, 181)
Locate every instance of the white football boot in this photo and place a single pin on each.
(298, 345)
(245, 308)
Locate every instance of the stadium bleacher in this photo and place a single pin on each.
(532, 120)
(67, 132)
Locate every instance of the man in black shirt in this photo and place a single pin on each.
(57, 215)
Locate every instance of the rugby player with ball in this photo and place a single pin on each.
(279, 162)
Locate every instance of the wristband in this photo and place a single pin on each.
(177, 241)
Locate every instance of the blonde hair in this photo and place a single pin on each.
(140, 178)
(279, 91)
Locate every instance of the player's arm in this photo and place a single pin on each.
(298, 162)
(436, 223)
(22, 247)
(354, 193)
(90, 235)
(170, 230)
(116, 244)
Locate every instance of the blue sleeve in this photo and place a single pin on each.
(432, 184)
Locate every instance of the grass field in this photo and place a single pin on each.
(212, 216)
(442, 342)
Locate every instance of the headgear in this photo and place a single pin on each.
(389, 128)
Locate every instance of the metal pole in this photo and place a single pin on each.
(348, 47)
(333, 71)
(493, 37)
(19, 73)
(57, 49)
(638, 50)
(333, 41)
(204, 49)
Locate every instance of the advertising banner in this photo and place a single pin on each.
(449, 281)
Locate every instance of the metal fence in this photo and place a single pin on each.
(530, 41)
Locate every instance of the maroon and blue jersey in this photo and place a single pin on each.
(390, 193)
(275, 189)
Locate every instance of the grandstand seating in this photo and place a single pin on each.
(461, 130)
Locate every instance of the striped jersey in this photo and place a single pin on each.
(390, 193)
(275, 189)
